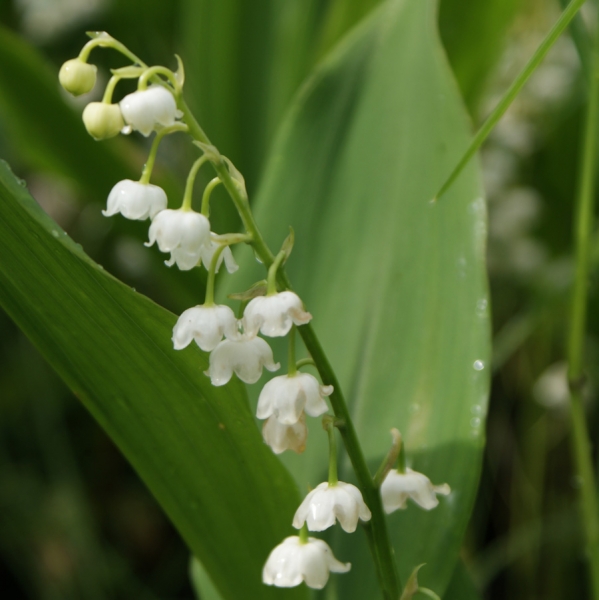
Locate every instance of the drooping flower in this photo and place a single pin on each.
(102, 120)
(183, 233)
(145, 109)
(77, 77)
(398, 487)
(245, 356)
(135, 200)
(274, 315)
(206, 325)
(287, 396)
(294, 561)
(281, 437)
(208, 251)
(327, 503)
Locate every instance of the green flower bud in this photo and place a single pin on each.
(103, 120)
(77, 77)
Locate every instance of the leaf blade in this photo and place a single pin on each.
(195, 446)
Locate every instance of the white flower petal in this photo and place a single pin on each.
(135, 200)
(208, 251)
(183, 233)
(281, 437)
(287, 396)
(327, 503)
(275, 314)
(246, 357)
(292, 562)
(206, 325)
(145, 109)
(398, 487)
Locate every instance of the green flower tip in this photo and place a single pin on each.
(103, 120)
(77, 77)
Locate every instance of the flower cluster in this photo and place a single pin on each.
(234, 344)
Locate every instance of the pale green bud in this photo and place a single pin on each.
(77, 77)
(103, 120)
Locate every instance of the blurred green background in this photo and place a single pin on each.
(75, 521)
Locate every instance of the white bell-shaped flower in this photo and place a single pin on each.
(135, 200)
(398, 487)
(327, 503)
(281, 437)
(294, 561)
(287, 396)
(208, 251)
(206, 325)
(244, 356)
(145, 109)
(183, 233)
(275, 314)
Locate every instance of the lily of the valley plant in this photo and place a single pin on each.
(270, 308)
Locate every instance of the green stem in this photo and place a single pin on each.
(271, 286)
(401, 458)
(148, 74)
(581, 446)
(303, 534)
(209, 301)
(333, 477)
(390, 460)
(291, 366)
(207, 193)
(188, 195)
(512, 92)
(107, 98)
(149, 166)
(105, 40)
(304, 362)
(380, 543)
(381, 547)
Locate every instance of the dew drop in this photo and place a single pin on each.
(475, 422)
(476, 409)
(481, 307)
(478, 365)
(55, 233)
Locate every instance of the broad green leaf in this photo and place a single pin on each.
(396, 284)
(196, 447)
(201, 582)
